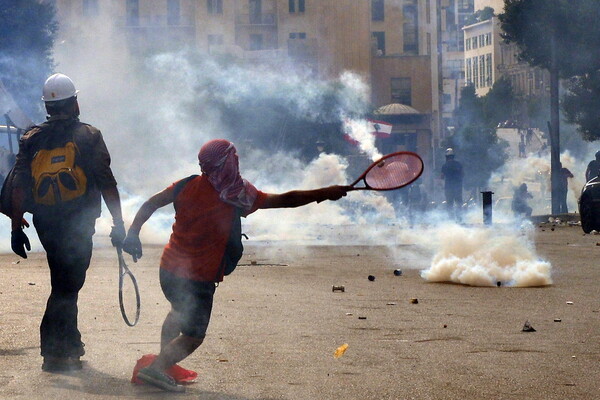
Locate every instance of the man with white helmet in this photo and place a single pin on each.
(62, 172)
(452, 174)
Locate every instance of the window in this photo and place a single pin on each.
(428, 11)
(481, 71)
(380, 39)
(488, 39)
(377, 10)
(468, 68)
(90, 8)
(468, 44)
(488, 64)
(474, 42)
(401, 91)
(173, 12)
(132, 12)
(256, 41)
(297, 35)
(214, 6)
(475, 72)
(410, 28)
(215, 40)
(481, 40)
(255, 7)
(300, 6)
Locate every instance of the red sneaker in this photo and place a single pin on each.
(180, 374)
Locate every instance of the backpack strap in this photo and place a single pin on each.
(234, 249)
(179, 187)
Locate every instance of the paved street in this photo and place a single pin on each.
(276, 324)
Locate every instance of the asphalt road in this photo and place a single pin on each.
(276, 324)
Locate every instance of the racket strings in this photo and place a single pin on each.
(394, 172)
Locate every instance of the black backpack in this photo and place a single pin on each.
(234, 248)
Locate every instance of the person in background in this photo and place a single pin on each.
(193, 261)
(563, 188)
(593, 168)
(61, 173)
(452, 174)
(519, 201)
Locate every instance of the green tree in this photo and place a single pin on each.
(480, 150)
(581, 104)
(27, 32)
(561, 36)
(480, 16)
(499, 103)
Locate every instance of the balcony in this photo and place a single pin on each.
(267, 20)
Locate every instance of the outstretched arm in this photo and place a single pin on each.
(297, 198)
(132, 244)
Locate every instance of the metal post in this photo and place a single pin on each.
(487, 207)
(9, 133)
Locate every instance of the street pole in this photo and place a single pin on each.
(554, 129)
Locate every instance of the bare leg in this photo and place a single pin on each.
(170, 329)
(175, 351)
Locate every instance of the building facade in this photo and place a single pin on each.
(395, 46)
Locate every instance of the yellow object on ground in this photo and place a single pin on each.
(340, 350)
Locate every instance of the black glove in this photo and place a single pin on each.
(117, 235)
(133, 246)
(18, 242)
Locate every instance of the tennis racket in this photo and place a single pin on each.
(390, 172)
(125, 272)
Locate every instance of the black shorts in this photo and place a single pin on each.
(191, 300)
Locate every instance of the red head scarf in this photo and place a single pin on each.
(219, 162)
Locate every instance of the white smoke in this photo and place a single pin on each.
(484, 256)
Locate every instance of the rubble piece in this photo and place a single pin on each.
(527, 327)
(340, 288)
(371, 278)
(557, 320)
(253, 262)
(398, 272)
(570, 303)
(340, 350)
(390, 304)
(362, 317)
(414, 301)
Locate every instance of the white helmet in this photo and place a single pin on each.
(58, 87)
(449, 151)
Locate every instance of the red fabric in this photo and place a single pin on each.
(219, 161)
(180, 374)
(200, 232)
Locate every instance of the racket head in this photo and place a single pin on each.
(392, 171)
(123, 273)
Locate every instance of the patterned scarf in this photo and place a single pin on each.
(219, 162)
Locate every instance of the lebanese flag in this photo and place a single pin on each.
(351, 140)
(380, 129)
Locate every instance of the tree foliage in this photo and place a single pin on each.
(581, 104)
(570, 25)
(27, 33)
(480, 150)
(480, 16)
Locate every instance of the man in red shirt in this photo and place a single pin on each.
(192, 261)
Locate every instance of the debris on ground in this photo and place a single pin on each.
(340, 350)
(527, 327)
(340, 288)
